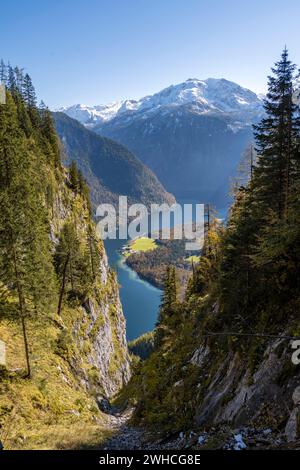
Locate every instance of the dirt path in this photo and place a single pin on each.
(126, 437)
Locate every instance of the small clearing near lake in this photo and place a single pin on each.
(143, 244)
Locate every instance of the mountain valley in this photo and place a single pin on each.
(191, 135)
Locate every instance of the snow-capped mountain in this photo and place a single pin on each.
(191, 134)
(207, 95)
(91, 115)
(211, 95)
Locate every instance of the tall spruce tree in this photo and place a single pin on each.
(11, 80)
(259, 251)
(65, 255)
(73, 265)
(93, 252)
(25, 255)
(50, 139)
(277, 139)
(19, 77)
(29, 97)
(29, 92)
(74, 176)
(3, 72)
(168, 307)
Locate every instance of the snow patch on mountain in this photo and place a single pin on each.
(202, 96)
(88, 114)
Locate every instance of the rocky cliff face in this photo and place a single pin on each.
(107, 328)
(218, 390)
(267, 398)
(100, 320)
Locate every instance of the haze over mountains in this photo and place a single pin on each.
(191, 134)
(109, 168)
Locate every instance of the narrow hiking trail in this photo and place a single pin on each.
(129, 437)
(126, 437)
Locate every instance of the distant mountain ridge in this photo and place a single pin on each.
(109, 168)
(191, 134)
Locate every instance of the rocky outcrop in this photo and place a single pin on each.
(100, 357)
(107, 331)
(269, 397)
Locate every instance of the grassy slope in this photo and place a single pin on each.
(51, 410)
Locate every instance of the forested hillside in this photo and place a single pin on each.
(109, 168)
(223, 356)
(61, 320)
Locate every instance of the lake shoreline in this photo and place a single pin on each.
(139, 298)
(143, 277)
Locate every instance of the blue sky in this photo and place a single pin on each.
(97, 51)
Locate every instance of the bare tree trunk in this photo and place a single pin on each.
(71, 272)
(288, 167)
(26, 346)
(62, 290)
(21, 307)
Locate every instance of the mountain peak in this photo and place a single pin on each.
(210, 95)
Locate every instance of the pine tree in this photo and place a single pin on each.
(73, 266)
(23, 116)
(25, 255)
(51, 143)
(168, 307)
(245, 168)
(29, 92)
(276, 177)
(11, 80)
(3, 72)
(65, 254)
(19, 78)
(82, 186)
(169, 294)
(93, 252)
(29, 97)
(259, 246)
(74, 176)
(276, 137)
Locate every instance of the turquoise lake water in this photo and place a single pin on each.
(140, 300)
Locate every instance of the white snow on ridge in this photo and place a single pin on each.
(85, 114)
(99, 113)
(204, 95)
